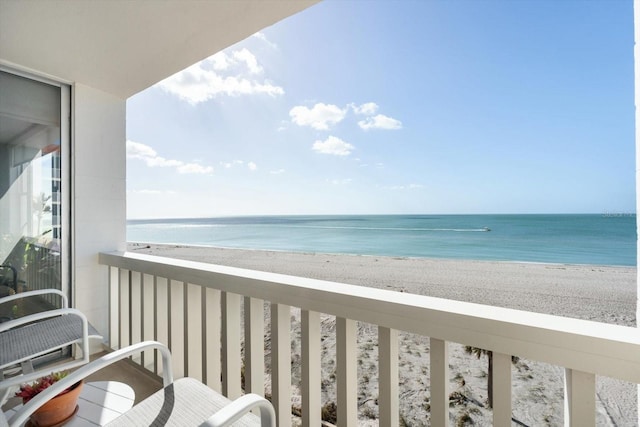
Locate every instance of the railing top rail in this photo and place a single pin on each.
(588, 346)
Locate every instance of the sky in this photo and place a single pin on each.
(397, 107)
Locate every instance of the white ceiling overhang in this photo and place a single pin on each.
(124, 46)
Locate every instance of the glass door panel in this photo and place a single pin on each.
(31, 225)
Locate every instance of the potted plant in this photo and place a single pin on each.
(58, 409)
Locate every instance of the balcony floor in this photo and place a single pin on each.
(143, 384)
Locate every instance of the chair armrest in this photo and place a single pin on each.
(81, 373)
(7, 299)
(240, 407)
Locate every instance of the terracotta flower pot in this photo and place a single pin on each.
(58, 409)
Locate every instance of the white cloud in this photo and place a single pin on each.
(162, 162)
(369, 108)
(403, 187)
(262, 37)
(146, 191)
(229, 165)
(277, 172)
(151, 192)
(284, 124)
(137, 150)
(213, 77)
(220, 61)
(380, 122)
(252, 166)
(333, 145)
(320, 117)
(194, 168)
(248, 59)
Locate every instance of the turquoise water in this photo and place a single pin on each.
(575, 239)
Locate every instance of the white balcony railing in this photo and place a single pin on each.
(196, 310)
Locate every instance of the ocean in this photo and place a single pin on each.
(602, 239)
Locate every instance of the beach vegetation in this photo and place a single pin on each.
(465, 420)
(457, 398)
(479, 352)
(329, 412)
(369, 412)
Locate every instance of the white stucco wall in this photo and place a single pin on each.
(99, 196)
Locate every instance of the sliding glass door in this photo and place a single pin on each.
(33, 218)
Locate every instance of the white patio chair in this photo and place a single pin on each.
(181, 403)
(26, 338)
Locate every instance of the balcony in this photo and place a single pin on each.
(217, 320)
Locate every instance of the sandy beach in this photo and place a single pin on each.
(592, 292)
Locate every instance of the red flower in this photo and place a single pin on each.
(29, 391)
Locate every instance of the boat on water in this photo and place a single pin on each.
(486, 229)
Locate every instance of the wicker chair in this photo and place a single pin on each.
(27, 338)
(184, 402)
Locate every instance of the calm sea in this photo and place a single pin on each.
(608, 239)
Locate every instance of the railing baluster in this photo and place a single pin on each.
(579, 399)
(193, 330)
(148, 322)
(114, 307)
(123, 333)
(388, 374)
(176, 328)
(211, 339)
(254, 345)
(439, 355)
(231, 363)
(281, 363)
(347, 375)
(162, 316)
(135, 312)
(311, 369)
(501, 389)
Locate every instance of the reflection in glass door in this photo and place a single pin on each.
(31, 216)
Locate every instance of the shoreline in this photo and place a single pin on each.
(591, 292)
(284, 251)
(135, 245)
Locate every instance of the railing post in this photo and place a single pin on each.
(311, 400)
(347, 375)
(281, 363)
(231, 362)
(439, 355)
(254, 345)
(579, 399)
(501, 390)
(388, 374)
